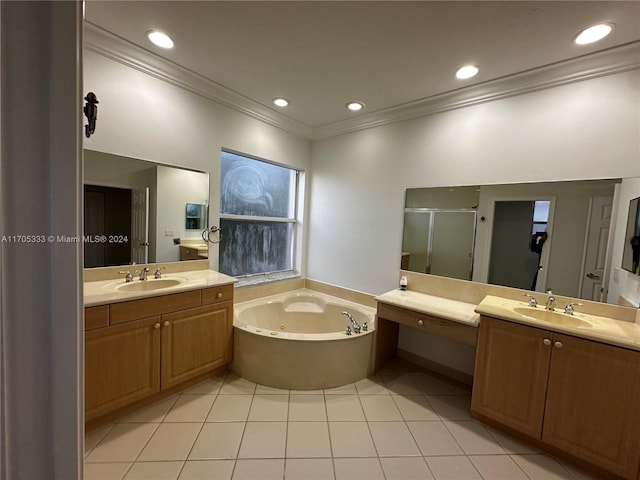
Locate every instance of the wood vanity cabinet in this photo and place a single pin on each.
(134, 358)
(577, 396)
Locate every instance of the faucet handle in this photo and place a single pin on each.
(127, 276)
(569, 308)
(158, 273)
(365, 326)
(532, 300)
(348, 330)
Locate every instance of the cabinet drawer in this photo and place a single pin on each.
(96, 317)
(447, 328)
(147, 307)
(222, 293)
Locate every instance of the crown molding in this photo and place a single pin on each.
(606, 62)
(116, 48)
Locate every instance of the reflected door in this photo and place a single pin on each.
(452, 242)
(596, 248)
(140, 225)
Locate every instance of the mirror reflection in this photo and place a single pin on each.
(137, 211)
(534, 236)
(631, 252)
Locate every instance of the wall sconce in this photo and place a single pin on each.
(91, 112)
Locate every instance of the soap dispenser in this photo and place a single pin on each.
(403, 283)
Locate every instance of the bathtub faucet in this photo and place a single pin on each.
(354, 324)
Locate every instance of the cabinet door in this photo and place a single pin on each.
(593, 402)
(122, 365)
(195, 341)
(510, 377)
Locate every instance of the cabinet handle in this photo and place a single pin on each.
(156, 326)
(166, 323)
(420, 322)
(546, 341)
(558, 344)
(220, 295)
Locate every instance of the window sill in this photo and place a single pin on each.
(266, 278)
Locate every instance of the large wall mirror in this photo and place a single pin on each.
(631, 252)
(138, 211)
(534, 236)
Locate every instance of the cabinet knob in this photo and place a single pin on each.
(166, 323)
(220, 295)
(558, 344)
(156, 326)
(420, 322)
(546, 341)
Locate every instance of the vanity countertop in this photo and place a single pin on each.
(106, 291)
(448, 309)
(591, 327)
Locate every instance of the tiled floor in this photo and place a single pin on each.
(403, 424)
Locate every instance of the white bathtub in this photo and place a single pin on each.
(297, 341)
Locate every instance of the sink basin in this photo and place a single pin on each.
(149, 285)
(552, 317)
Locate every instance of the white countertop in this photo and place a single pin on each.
(601, 329)
(448, 309)
(105, 291)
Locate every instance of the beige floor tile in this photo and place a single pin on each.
(266, 390)
(306, 392)
(431, 385)
(308, 469)
(269, 408)
(308, 440)
(154, 471)
(92, 438)
(263, 440)
(474, 438)
(401, 385)
(510, 444)
(399, 366)
(406, 468)
(307, 408)
(344, 408)
(235, 385)
(211, 386)
(217, 441)
(106, 471)
(415, 407)
(393, 439)
(379, 408)
(497, 467)
(349, 388)
(154, 413)
(190, 408)
(171, 441)
(433, 438)
(465, 400)
(123, 443)
(449, 407)
(542, 467)
(452, 468)
(577, 473)
(372, 386)
(207, 470)
(358, 469)
(351, 439)
(458, 388)
(260, 469)
(230, 408)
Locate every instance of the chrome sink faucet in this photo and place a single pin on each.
(128, 277)
(143, 273)
(551, 300)
(354, 323)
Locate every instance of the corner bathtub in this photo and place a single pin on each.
(297, 341)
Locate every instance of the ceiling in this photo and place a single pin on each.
(386, 54)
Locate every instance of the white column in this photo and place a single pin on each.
(40, 199)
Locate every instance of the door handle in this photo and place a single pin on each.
(592, 275)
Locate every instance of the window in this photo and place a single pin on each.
(257, 216)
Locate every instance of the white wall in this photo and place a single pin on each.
(622, 282)
(143, 117)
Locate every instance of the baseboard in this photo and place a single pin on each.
(436, 367)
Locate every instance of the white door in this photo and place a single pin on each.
(140, 225)
(596, 248)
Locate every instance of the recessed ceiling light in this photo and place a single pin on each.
(594, 33)
(160, 39)
(355, 106)
(467, 71)
(281, 102)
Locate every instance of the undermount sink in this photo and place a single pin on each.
(557, 318)
(149, 285)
